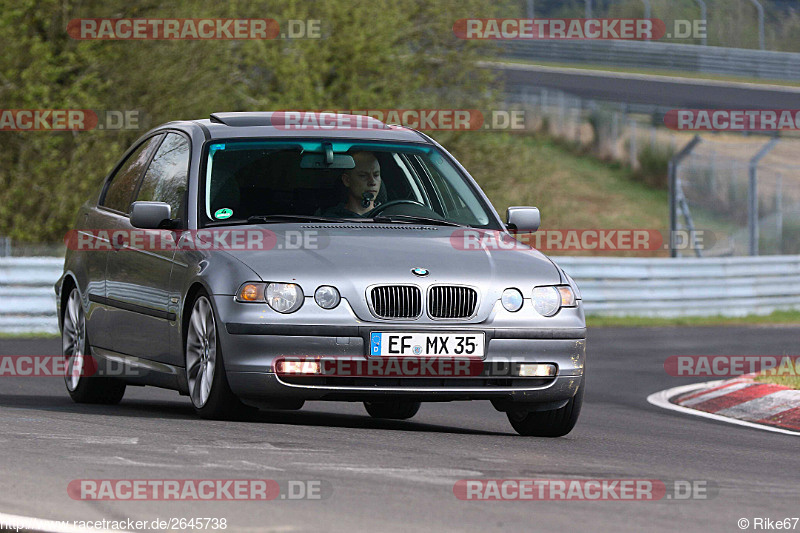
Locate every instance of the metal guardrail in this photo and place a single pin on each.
(665, 287)
(27, 298)
(744, 62)
(662, 287)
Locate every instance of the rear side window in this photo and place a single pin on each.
(166, 177)
(119, 194)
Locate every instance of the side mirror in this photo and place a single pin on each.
(149, 215)
(523, 218)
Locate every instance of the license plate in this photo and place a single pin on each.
(395, 343)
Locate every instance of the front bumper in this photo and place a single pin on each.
(251, 349)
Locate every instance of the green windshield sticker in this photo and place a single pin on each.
(223, 213)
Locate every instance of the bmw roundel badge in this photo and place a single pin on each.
(419, 271)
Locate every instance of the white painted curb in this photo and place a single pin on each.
(661, 399)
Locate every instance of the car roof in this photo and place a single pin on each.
(271, 124)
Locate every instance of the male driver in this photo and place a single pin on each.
(362, 184)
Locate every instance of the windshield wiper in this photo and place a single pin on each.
(411, 219)
(267, 219)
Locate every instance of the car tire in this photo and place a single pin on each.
(209, 391)
(82, 385)
(392, 409)
(553, 423)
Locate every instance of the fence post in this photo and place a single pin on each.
(632, 153)
(779, 212)
(646, 8)
(760, 9)
(614, 133)
(704, 17)
(752, 201)
(672, 169)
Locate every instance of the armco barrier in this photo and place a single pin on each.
(27, 298)
(762, 64)
(662, 287)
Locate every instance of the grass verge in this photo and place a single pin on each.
(786, 381)
(4, 335)
(654, 72)
(778, 317)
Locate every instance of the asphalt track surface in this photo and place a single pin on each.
(661, 91)
(399, 476)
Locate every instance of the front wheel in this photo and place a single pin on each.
(554, 423)
(393, 409)
(82, 386)
(205, 370)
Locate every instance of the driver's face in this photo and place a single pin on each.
(365, 177)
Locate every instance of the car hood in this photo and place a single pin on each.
(353, 257)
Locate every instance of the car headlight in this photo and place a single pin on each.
(282, 297)
(512, 300)
(549, 299)
(327, 297)
(546, 300)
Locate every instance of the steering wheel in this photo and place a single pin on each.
(381, 207)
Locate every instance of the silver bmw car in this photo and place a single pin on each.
(254, 260)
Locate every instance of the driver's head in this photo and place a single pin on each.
(364, 177)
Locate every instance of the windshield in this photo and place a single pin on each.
(403, 183)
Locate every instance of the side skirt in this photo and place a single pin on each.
(138, 371)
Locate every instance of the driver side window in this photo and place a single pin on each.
(166, 178)
(119, 193)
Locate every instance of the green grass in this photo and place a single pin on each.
(572, 190)
(656, 72)
(786, 381)
(30, 335)
(594, 321)
(778, 317)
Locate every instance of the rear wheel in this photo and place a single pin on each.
(554, 423)
(82, 385)
(205, 369)
(392, 409)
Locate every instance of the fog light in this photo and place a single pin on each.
(530, 370)
(297, 367)
(512, 300)
(327, 297)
